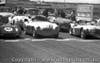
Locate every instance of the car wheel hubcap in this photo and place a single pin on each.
(33, 33)
(70, 31)
(82, 34)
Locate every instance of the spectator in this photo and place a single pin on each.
(73, 15)
(45, 13)
(20, 11)
(63, 14)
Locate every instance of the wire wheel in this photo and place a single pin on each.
(56, 36)
(34, 34)
(83, 35)
(70, 31)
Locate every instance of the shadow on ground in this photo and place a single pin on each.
(89, 38)
(42, 37)
(10, 38)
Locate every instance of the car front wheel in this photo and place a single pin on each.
(18, 36)
(56, 36)
(70, 31)
(83, 34)
(25, 32)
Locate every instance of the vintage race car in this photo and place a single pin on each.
(10, 31)
(85, 30)
(63, 23)
(41, 27)
(6, 29)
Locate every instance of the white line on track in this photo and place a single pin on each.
(51, 39)
(11, 40)
(27, 38)
(82, 62)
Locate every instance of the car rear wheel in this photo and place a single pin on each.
(83, 34)
(34, 34)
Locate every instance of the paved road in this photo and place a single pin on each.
(65, 49)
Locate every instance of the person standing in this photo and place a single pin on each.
(45, 13)
(62, 14)
(73, 15)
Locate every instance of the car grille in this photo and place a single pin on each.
(65, 24)
(48, 29)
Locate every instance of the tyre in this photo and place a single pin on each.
(56, 36)
(34, 34)
(83, 34)
(70, 31)
(25, 32)
(18, 36)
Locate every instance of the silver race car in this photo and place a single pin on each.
(39, 26)
(85, 29)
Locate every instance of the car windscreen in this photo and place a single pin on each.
(40, 18)
(32, 11)
(82, 22)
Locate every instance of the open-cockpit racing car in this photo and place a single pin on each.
(63, 23)
(6, 29)
(85, 29)
(39, 26)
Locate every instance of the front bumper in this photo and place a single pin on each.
(47, 32)
(96, 33)
(10, 34)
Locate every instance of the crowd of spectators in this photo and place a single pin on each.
(19, 11)
(58, 13)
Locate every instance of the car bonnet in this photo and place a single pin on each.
(43, 24)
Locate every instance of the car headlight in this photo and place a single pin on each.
(16, 29)
(92, 30)
(38, 28)
(8, 29)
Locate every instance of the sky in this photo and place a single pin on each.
(76, 1)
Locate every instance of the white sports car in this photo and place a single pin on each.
(41, 27)
(84, 30)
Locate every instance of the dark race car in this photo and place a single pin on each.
(63, 23)
(8, 30)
